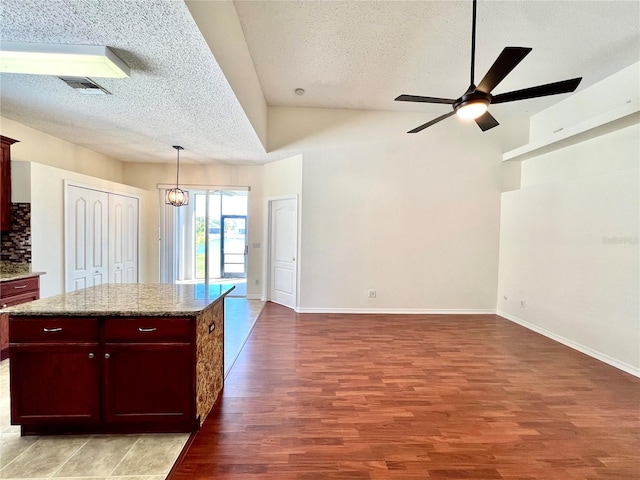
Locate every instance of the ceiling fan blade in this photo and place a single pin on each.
(506, 61)
(486, 121)
(555, 88)
(416, 98)
(432, 122)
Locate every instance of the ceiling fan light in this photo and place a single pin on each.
(473, 109)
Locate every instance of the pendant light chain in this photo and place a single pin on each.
(176, 196)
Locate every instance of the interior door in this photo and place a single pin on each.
(283, 251)
(233, 246)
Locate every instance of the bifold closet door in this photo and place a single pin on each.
(86, 238)
(123, 239)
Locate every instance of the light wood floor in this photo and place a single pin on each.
(406, 397)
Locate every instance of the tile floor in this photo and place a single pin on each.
(116, 457)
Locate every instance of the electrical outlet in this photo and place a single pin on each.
(522, 304)
(257, 281)
(371, 294)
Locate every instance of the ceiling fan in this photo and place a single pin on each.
(474, 103)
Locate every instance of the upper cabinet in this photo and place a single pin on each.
(5, 183)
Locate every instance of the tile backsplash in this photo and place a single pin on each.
(15, 246)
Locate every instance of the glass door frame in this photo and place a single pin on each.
(223, 273)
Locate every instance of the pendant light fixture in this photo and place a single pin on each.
(176, 196)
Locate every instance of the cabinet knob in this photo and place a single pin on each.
(91, 355)
(4, 305)
(107, 356)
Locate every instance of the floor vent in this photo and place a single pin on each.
(85, 85)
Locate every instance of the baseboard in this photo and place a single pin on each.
(396, 311)
(254, 296)
(630, 369)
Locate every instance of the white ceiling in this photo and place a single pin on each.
(345, 54)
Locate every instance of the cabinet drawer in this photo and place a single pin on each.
(145, 329)
(18, 299)
(18, 287)
(52, 329)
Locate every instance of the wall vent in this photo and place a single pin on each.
(85, 85)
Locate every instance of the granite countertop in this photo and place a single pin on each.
(134, 299)
(16, 271)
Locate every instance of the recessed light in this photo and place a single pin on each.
(299, 91)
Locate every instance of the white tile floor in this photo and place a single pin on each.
(113, 457)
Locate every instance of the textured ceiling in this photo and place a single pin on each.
(362, 54)
(177, 93)
(349, 54)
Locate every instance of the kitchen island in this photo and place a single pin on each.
(126, 358)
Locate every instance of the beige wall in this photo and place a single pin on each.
(39, 147)
(148, 176)
(415, 217)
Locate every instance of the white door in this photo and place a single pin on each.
(123, 239)
(86, 244)
(283, 251)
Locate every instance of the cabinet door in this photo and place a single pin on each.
(4, 336)
(86, 238)
(149, 383)
(55, 383)
(123, 239)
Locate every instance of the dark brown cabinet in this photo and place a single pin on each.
(148, 371)
(15, 292)
(102, 374)
(5, 183)
(54, 371)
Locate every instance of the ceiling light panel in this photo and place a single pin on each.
(61, 60)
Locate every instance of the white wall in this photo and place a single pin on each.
(415, 217)
(612, 93)
(569, 249)
(47, 222)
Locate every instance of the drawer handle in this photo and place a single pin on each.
(21, 286)
(146, 330)
(50, 330)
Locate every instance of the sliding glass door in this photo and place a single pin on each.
(211, 243)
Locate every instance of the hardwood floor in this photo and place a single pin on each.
(415, 397)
